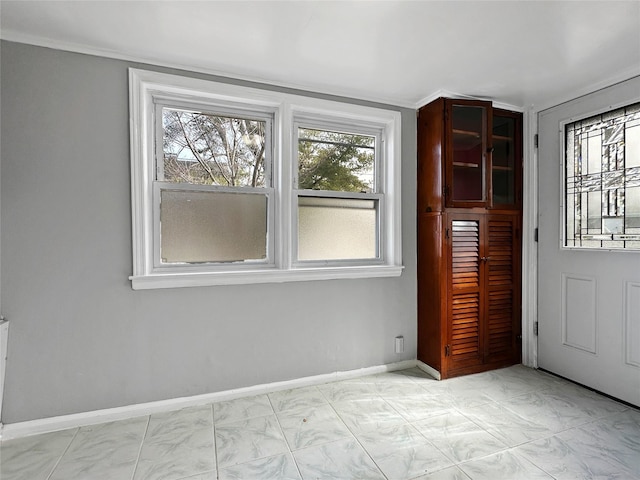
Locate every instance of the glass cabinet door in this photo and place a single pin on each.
(466, 170)
(505, 159)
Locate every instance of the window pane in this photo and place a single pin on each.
(208, 149)
(632, 203)
(197, 227)
(337, 228)
(602, 179)
(632, 143)
(335, 161)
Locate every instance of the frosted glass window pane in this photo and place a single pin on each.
(337, 228)
(199, 227)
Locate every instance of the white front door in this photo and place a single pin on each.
(589, 300)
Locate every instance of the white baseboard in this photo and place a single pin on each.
(52, 424)
(428, 369)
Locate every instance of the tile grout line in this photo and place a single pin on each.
(63, 454)
(354, 435)
(284, 437)
(146, 430)
(213, 440)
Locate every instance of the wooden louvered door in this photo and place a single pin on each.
(464, 336)
(484, 294)
(502, 291)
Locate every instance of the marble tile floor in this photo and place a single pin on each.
(514, 423)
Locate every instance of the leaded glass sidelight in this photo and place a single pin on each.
(602, 161)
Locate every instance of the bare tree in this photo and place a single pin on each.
(214, 150)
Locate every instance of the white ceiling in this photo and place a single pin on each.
(520, 53)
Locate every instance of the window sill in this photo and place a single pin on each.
(205, 279)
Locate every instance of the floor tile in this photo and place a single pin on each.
(503, 465)
(401, 452)
(499, 385)
(313, 427)
(418, 407)
(563, 461)
(418, 376)
(213, 475)
(346, 391)
(451, 473)
(458, 437)
(241, 409)
(605, 448)
(559, 410)
(103, 452)
(279, 467)
(399, 390)
(33, 458)
(177, 444)
(296, 399)
(342, 460)
(368, 415)
(387, 378)
(509, 424)
(590, 403)
(459, 393)
(506, 425)
(248, 440)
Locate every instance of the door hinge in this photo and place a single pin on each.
(535, 328)
(446, 233)
(535, 234)
(535, 141)
(445, 191)
(447, 350)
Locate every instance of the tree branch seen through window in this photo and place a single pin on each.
(207, 149)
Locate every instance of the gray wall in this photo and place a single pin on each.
(81, 339)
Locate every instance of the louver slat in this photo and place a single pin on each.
(465, 245)
(500, 295)
(465, 276)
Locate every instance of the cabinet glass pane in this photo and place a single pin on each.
(468, 143)
(503, 160)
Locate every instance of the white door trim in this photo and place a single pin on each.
(529, 245)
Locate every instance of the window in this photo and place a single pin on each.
(213, 186)
(238, 185)
(337, 195)
(602, 188)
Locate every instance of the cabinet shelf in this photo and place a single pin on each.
(465, 165)
(466, 133)
(502, 138)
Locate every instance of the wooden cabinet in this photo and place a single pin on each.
(469, 245)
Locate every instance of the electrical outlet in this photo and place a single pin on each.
(399, 344)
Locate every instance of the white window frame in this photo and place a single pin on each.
(147, 88)
(334, 124)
